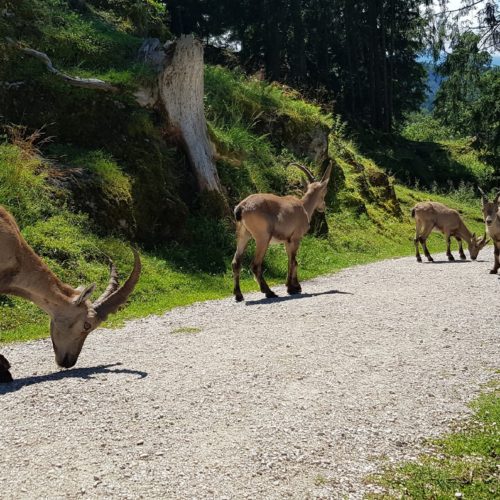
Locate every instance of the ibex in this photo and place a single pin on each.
(492, 221)
(431, 215)
(268, 218)
(72, 315)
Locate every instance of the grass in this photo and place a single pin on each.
(255, 126)
(465, 463)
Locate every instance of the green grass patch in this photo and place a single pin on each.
(183, 330)
(465, 463)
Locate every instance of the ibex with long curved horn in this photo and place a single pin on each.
(268, 218)
(492, 222)
(72, 315)
(431, 215)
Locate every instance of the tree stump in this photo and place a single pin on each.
(179, 92)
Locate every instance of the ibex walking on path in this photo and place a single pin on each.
(431, 215)
(492, 222)
(268, 218)
(72, 315)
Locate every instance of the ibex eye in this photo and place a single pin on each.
(86, 326)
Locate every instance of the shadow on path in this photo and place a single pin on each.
(265, 300)
(453, 261)
(83, 373)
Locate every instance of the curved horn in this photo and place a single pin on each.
(485, 198)
(304, 169)
(483, 240)
(113, 302)
(328, 172)
(113, 285)
(496, 197)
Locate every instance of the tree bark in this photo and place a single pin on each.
(179, 92)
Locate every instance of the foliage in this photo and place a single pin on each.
(369, 67)
(22, 186)
(465, 463)
(467, 100)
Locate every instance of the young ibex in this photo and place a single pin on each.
(492, 221)
(431, 215)
(268, 218)
(73, 316)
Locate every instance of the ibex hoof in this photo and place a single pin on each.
(238, 298)
(451, 258)
(270, 295)
(294, 290)
(419, 259)
(463, 257)
(493, 271)
(430, 259)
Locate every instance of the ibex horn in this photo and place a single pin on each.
(485, 198)
(328, 172)
(116, 299)
(496, 197)
(306, 171)
(113, 284)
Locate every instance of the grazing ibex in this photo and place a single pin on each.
(492, 221)
(72, 315)
(431, 215)
(268, 218)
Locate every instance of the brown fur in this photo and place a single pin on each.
(73, 316)
(433, 216)
(491, 216)
(267, 219)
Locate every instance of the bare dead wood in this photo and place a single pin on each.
(88, 83)
(179, 92)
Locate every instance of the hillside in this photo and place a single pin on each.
(103, 172)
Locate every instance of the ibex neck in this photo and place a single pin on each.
(464, 233)
(36, 282)
(309, 202)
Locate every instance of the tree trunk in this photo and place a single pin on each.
(179, 93)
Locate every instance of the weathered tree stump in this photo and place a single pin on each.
(178, 92)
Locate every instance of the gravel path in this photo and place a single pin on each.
(292, 397)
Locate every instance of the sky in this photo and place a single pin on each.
(472, 19)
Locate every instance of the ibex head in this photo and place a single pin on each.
(476, 244)
(490, 208)
(316, 190)
(70, 327)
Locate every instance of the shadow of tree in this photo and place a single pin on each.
(82, 373)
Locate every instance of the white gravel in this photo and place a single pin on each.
(292, 397)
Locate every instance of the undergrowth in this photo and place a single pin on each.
(464, 463)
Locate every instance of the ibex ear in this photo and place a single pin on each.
(85, 293)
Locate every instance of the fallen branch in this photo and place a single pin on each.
(88, 83)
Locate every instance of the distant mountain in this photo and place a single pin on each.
(434, 80)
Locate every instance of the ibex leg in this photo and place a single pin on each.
(292, 282)
(448, 248)
(496, 252)
(461, 248)
(5, 375)
(260, 252)
(426, 251)
(243, 237)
